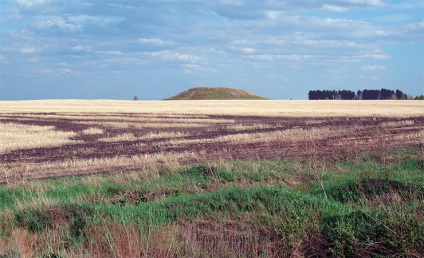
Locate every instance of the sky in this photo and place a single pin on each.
(153, 49)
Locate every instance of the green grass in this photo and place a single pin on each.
(351, 207)
(218, 93)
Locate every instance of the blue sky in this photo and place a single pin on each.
(110, 49)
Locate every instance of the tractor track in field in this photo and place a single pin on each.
(204, 141)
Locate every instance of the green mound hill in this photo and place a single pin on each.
(219, 93)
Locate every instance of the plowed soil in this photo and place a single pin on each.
(201, 140)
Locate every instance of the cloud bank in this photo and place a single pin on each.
(155, 48)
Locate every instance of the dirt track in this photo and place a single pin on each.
(200, 141)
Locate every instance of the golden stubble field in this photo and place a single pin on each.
(321, 108)
(42, 139)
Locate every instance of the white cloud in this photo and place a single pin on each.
(376, 3)
(415, 29)
(81, 48)
(240, 35)
(247, 50)
(154, 41)
(241, 50)
(67, 71)
(232, 2)
(3, 59)
(374, 68)
(56, 72)
(392, 18)
(334, 8)
(28, 50)
(273, 15)
(110, 53)
(31, 3)
(55, 23)
(175, 56)
(376, 56)
(181, 57)
(331, 44)
(84, 19)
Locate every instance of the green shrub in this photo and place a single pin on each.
(65, 216)
(9, 196)
(373, 233)
(225, 176)
(351, 233)
(412, 164)
(344, 192)
(355, 192)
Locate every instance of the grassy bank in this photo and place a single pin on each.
(368, 205)
(215, 93)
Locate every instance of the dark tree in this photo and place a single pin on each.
(359, 94)
(346, 95)
(421, 97)
(400, 95)
(371, 94)
(386, 94)
(321, 94)
(350, 95)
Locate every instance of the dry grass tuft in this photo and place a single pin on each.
(15, 136)
(161, 135)
(92, 131)
(26, 241)
(148, 136)
(241, 127)
(118, 138)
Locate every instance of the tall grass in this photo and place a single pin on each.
(357, 206)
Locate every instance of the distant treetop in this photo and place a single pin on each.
(382, 94)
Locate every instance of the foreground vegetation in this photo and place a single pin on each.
(370, 204)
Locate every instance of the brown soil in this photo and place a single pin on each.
(359, 134)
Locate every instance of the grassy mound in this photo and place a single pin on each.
(220, 93)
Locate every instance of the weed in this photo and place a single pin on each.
(64, 216)
(72, 155)
(227, 209)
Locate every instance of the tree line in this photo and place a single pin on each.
(382, 94)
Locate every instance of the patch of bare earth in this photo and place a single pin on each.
(116, 142)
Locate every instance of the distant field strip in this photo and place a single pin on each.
(216, 107)
(148, 136)
(18, 136)
(62, 138)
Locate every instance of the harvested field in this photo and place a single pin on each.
(117, 136)
(298, 108)
(174, 182)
